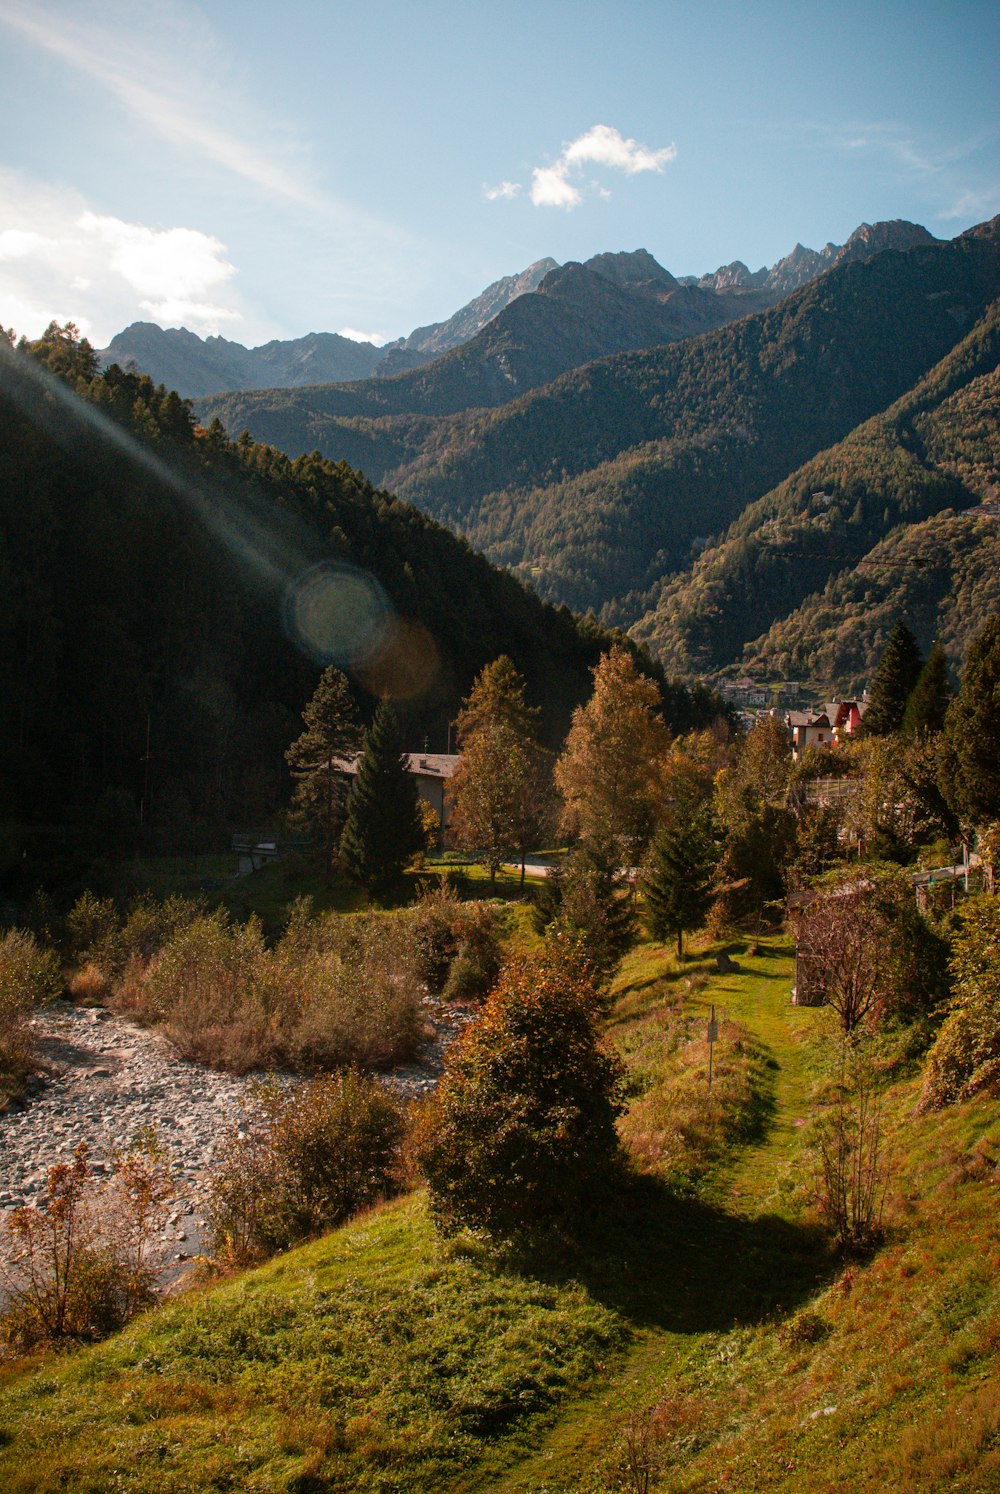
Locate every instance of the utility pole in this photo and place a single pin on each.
(713, 1037)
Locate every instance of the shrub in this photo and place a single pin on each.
(522, 1131)
(99, 937)
(29, 975)
(965, 1058)
(93, 933)
(81, 1264)
(89, 985)
(583, 897)
(854, 1156)
(460, 944)
(335, 991)
(215, 993)
(351, 991)
(307, 1160)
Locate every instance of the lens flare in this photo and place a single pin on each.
(406, 663)
(337, 614)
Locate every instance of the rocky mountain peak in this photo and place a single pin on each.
(634, 269)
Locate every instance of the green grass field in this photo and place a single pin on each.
(706, 1326)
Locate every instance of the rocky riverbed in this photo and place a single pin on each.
(103, 1080)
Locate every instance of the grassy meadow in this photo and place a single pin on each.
(704, 1337)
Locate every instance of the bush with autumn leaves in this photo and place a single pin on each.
(521, 1134)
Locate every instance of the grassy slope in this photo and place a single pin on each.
(380, 1359)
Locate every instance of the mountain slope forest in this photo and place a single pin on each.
(607, 481)
(151, 571)
(899, 519)
(578, 313)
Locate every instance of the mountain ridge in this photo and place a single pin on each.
(198, 367)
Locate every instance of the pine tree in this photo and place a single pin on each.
(928, 702)
(584, 899)
(678, 885)
(316, 761)
(971, 759)
(383, 828)
(892, 684)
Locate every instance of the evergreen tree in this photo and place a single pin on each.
(678, 885)
(928, 702)
(971, 759)
(584, 898)
(383, 828)
(521, 1134)
(316, 761)
(757, 826)
(894, 680)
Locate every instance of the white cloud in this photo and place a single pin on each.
(549, 188)
(506, 190)
(59, 259)
(170, 262)
(606, 147)
(602, 145)
(378, 338)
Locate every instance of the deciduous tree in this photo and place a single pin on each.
(609, 774)
(501, 792)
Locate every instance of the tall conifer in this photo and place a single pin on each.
(383, 829)
(892, 683)
(315, 759)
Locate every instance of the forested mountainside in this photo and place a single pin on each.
(148, 570)
(603, 483)
(578, 313)
(848, 525)
(900, 520)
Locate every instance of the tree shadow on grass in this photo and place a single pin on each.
(679, 1264)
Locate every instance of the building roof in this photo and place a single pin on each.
(420, 764)
(807, 718)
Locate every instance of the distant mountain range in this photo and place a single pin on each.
(633, 485)
(196, 366)
(747, 471)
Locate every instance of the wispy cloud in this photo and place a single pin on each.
(504, 190)
(944, 170)
(160, 81)
(60, 259)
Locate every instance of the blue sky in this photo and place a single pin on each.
(266, 171)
